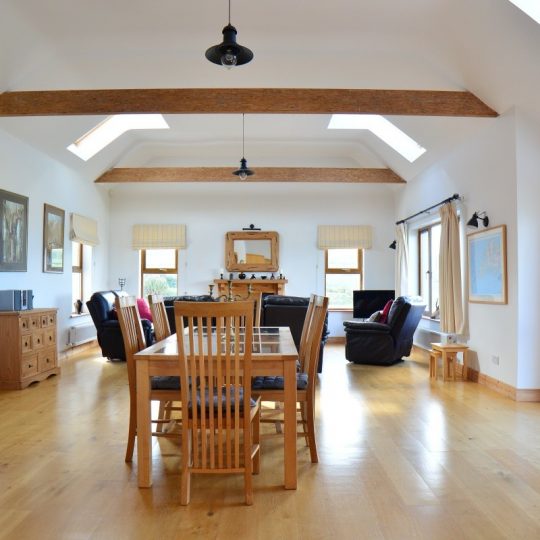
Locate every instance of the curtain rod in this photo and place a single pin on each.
(454, 197)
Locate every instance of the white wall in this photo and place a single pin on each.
(528, 197)
(483, 171)
(25, 171)
(294, 211)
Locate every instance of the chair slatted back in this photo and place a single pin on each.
(313, 339)
(302, 349)
(159, 316)
(257, 298)
(219, 360)
(132, 334)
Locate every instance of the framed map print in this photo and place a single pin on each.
(13, 232)
(487, 266)
(53, 239)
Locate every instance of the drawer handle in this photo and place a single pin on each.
(29, 365)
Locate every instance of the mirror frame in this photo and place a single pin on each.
(233, 266)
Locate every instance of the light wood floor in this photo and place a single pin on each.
(400, 458)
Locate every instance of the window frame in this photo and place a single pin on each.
(77, 270)
(358, 270)
(148, 270)
(426, 229)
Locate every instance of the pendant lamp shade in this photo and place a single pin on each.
(229, 53)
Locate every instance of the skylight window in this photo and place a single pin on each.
(530, 7)
(110, 129)
(382, 128)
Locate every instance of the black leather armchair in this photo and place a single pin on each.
(169, 305)
(384, 344)
(278, 310)
(100, 306)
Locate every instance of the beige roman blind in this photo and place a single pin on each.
(344, 236)
(83, 230)
(159, 236)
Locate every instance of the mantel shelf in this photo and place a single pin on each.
(240, 286)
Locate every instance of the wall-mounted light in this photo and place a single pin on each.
(473, 222)
(393, 245)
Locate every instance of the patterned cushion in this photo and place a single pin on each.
(223, 399)
(276, 383)
(165, 383)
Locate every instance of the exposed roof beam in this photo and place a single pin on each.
(243, 100)
(262, 174)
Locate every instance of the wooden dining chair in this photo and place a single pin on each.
(163, 389)
(220, 420)
(159, 316)
(272, 388)
(162, 330)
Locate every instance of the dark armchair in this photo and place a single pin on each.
(100, 306)
(384, 344)
(278, 310)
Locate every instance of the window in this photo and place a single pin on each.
(76, 275)
(159, 272)
(429, 240)
(343, 271)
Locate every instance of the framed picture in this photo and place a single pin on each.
(53, 239)
(487, 266)
(13, 232)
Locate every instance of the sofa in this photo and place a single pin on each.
(280, 310)
(169, 305)
(109, 336)
(384, 343)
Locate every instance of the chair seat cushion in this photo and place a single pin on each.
(217, 394)
(276, 382)
(165, 383)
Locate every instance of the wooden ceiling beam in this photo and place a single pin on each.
(243, 100)
(262, 174)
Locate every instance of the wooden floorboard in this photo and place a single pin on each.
(399, 457)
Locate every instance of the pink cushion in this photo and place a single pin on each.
(144, 309)
(385, 311)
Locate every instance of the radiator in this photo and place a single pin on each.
(81, 333)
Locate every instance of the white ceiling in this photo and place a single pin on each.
(488, 47)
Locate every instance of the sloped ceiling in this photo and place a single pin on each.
(488, 47)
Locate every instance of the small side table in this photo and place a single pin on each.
(449, 352)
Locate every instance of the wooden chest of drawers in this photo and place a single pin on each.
(28, 349)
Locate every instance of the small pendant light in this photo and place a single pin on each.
(243, 172)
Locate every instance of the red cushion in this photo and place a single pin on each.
(385, 311)
(144, 309)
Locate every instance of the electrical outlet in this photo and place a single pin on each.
(495, 359)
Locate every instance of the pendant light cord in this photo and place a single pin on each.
(243, 136)
(229, 12)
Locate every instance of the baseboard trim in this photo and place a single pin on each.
(336, 340)
(72, 351)
(532, 394)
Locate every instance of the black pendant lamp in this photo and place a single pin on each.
(244, 171)
(229, 53)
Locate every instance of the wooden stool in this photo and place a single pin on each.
(449, 351)
(433, 362)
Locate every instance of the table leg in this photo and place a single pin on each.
(144, 428)
(465, 365)
(289, 375)
(444, 365)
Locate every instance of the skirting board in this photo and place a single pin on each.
(500, 387)
(72, 351)
(336, 339)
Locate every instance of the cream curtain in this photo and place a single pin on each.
(159, 237)
(402, 261)
(344, 237)
(450, 292)
(83, 230)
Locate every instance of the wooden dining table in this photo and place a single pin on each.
(273, 353)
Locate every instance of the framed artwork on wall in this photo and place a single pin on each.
(53, 239)
(13, 232)
(488, 282)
